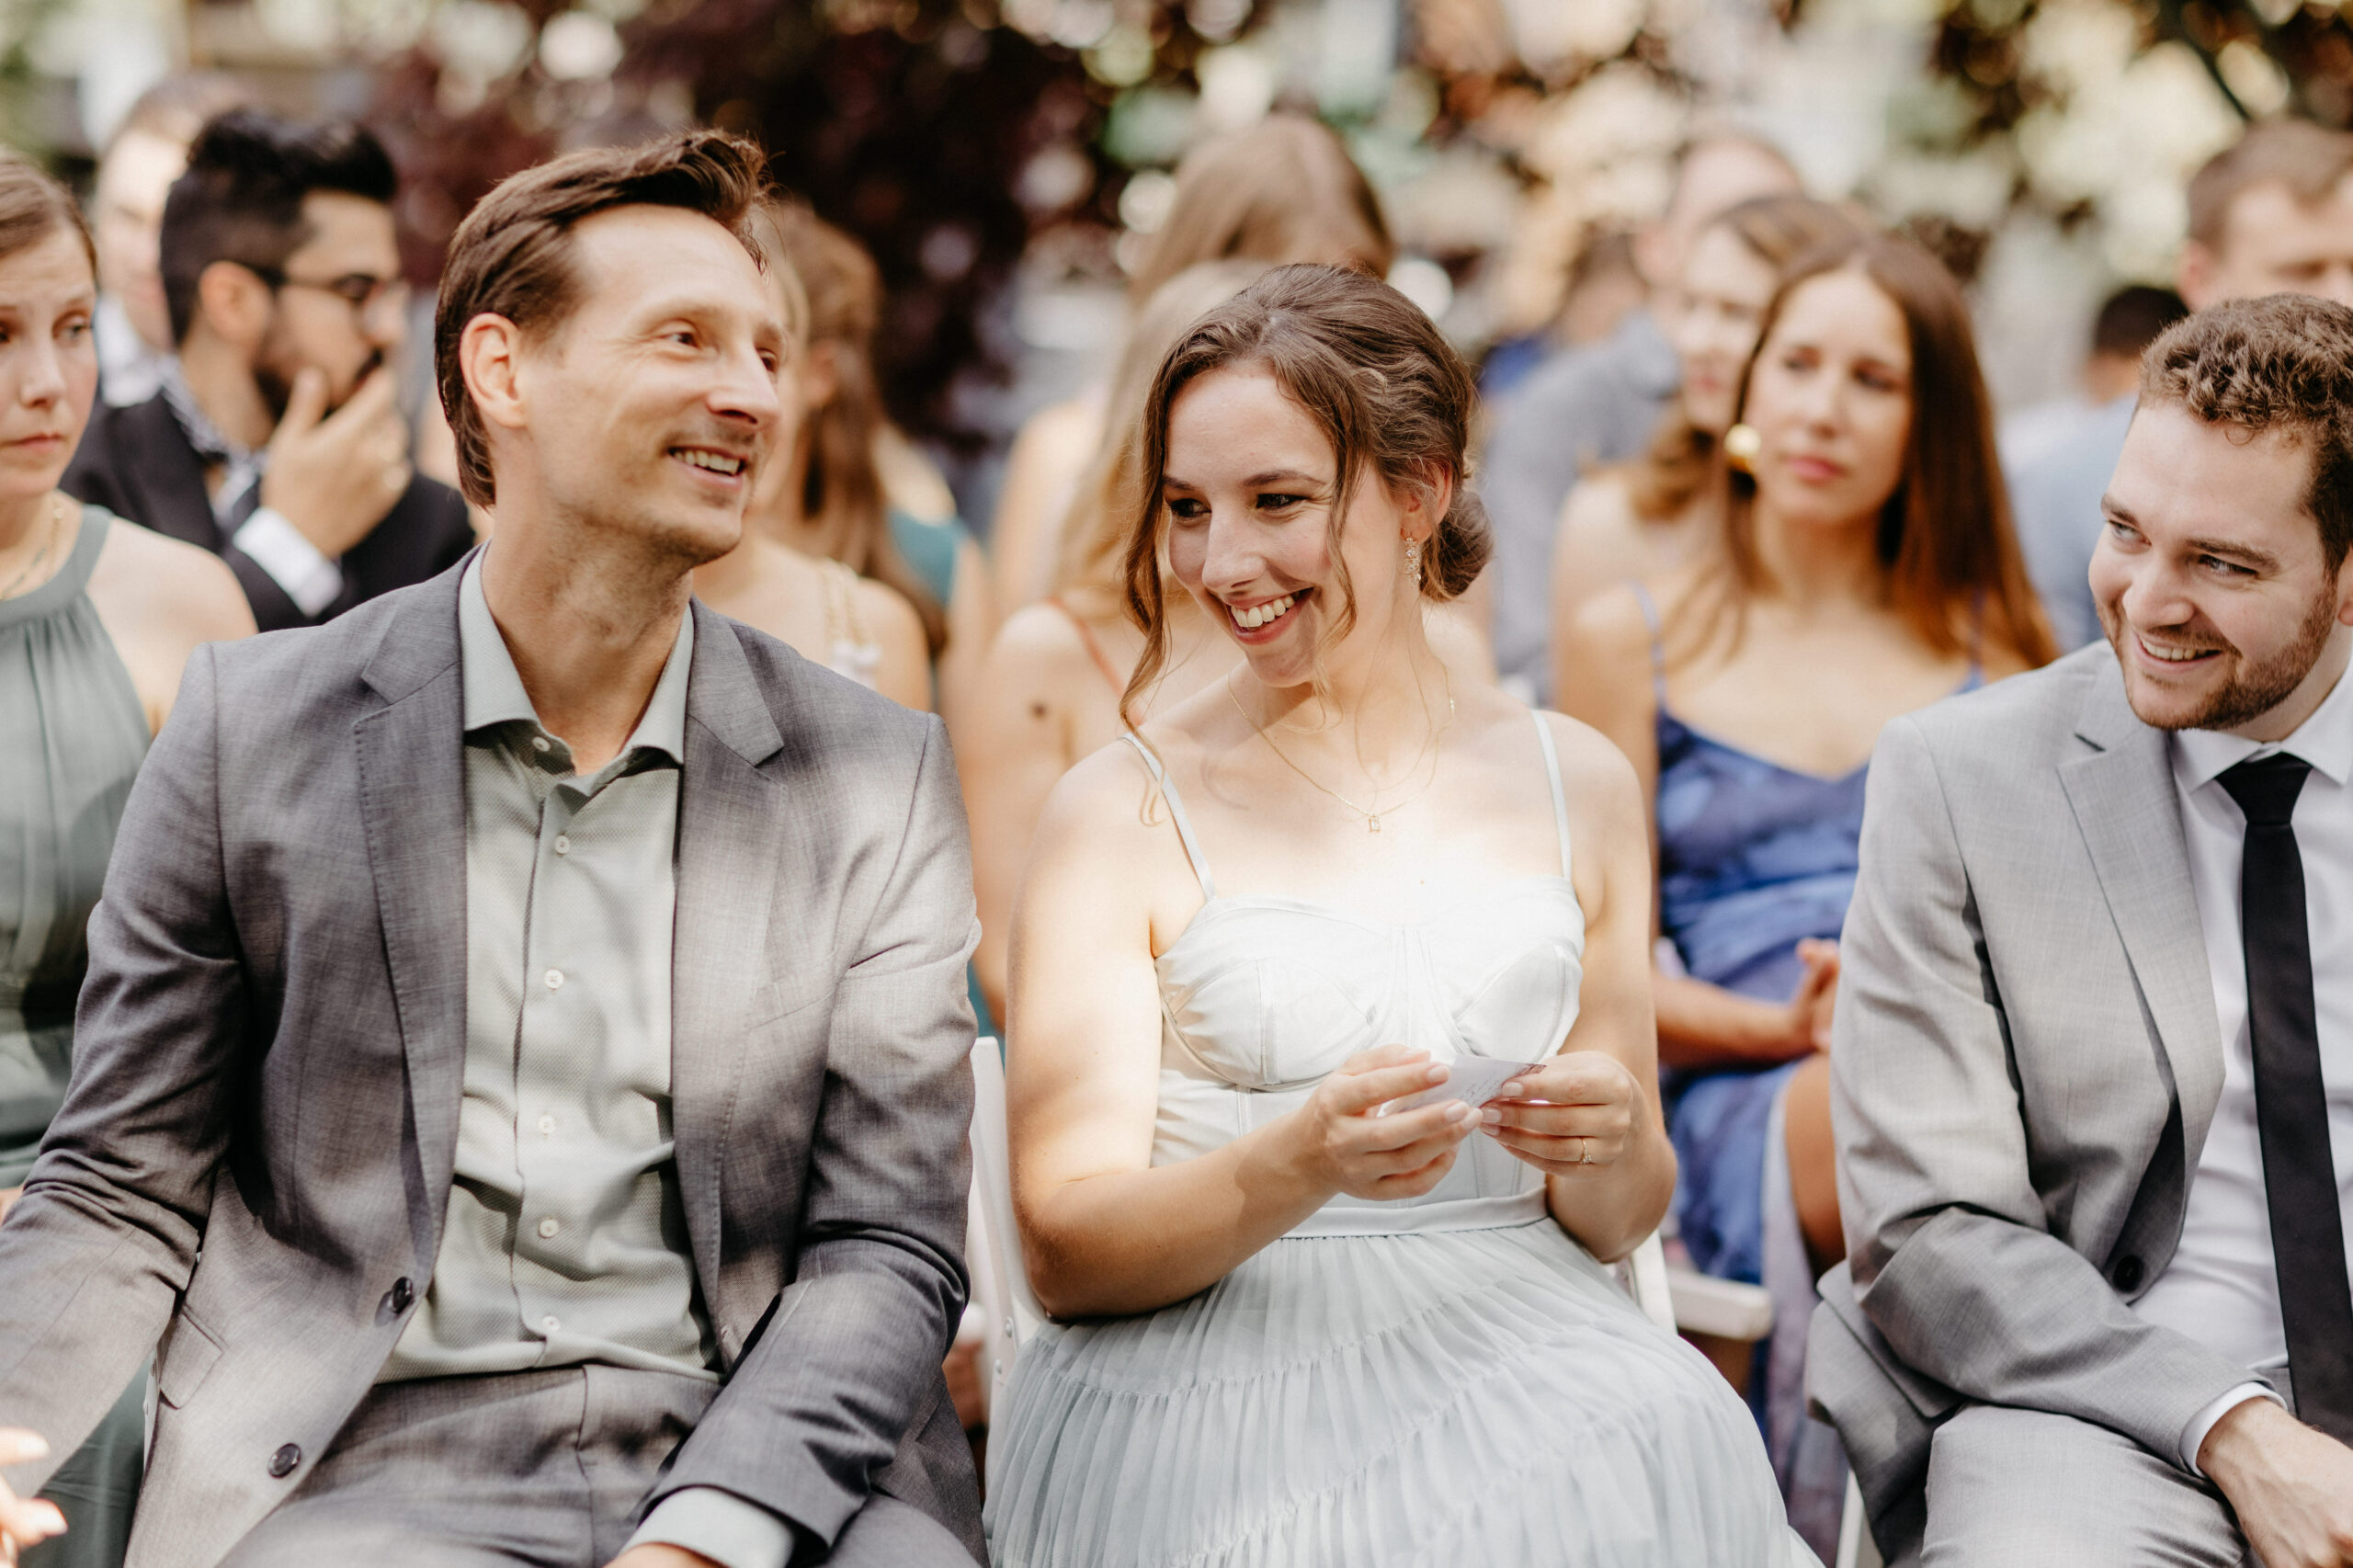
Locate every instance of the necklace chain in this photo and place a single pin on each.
(56, 526)
(1372, 818)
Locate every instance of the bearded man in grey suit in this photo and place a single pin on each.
(2093, 1063)
(521, 1073)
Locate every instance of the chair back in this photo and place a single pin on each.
(1645, 1278)
(999, 1278)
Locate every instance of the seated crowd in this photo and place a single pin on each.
(495, 929)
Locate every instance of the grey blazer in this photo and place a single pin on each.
(257, 1142)
(2025, 1064)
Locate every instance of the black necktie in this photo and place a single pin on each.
(2290, 1103)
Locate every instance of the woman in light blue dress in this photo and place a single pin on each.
(1294, 1331)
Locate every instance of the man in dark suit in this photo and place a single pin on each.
(276, 442)
(522, 1076)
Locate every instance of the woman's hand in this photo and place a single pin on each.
(24, 1521)
(1817, 994)
(1572, 1117)
(1344, 1148)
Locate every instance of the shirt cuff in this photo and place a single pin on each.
(719, 1525)
(278, 547)
(2193, 1436)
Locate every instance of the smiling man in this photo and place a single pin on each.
(540, 999)
(2093, 1059)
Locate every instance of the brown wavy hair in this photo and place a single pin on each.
(843, 487)
(1948, 551)
(33, 207)
(1375, 375)
(1283, 190)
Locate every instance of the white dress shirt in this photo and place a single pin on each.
(2222, 1288)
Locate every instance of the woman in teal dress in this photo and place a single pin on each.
(97, 617)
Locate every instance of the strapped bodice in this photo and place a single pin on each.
(1263, 995)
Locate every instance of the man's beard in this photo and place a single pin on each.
(2255, 689)
(275, 369)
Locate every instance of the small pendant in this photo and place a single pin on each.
(1372, 821)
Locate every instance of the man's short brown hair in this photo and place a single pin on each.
(2310, 160)
(512, 257)
(2284, 363)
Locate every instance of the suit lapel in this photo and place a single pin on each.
(2129, 815)
(163, 471)
(413, 801)
(732, 859)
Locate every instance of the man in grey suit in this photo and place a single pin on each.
(521, 1078)
(2093, 1065)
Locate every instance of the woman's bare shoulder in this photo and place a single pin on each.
(1600, 502)
(169, 587)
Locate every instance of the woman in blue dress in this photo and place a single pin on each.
(1867, 568)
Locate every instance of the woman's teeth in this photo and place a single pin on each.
(1259, 615)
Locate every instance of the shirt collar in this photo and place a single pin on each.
(2325, 740)
(494, 691)
(194, 424)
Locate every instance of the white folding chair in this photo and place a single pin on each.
(999, 1281)
(1856, 1546)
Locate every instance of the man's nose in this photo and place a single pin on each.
(747, 390)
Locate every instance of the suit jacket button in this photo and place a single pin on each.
(282, 1463)
(403, 1296)
(2129, 1273)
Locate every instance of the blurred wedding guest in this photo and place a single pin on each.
(522, 1073)
(827, 613)
(2094, 1070)
(1282, 190)
(2272, 214)
(1600, 402)
(97, 617)
(2042, 449)
(1644, 519)
(275, 442)
(1867, 569)
(1314, 1335)
(829, 501)
(1051, 689)
(1603, 287)
(145, 154)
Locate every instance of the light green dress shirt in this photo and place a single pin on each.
(566, 1238)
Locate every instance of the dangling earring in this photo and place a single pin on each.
(1742, 445)
(1414, 561)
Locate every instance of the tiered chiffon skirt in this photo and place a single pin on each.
(1448, 1397)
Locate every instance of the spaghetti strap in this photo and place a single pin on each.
(1658, 639)
(1560, 796)
(1111, 676)
(1176, 813)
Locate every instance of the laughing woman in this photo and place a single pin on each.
(1290, 1330)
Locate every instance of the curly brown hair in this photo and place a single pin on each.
(2284, 363)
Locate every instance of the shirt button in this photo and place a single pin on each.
(563, 844)
(548, 1228)
(550, 1325)
(284, 1462)
(547, 1127)
(555, 979)
(403, 1296)
(539, 743)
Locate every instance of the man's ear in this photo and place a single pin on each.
(490, 352)
(2197, 277)
(234, 304)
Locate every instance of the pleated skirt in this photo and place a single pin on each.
(1483, 1396)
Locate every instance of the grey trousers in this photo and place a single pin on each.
(2013, 1488)
(523, 1470)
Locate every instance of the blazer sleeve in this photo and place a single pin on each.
(1953, 1261)
(94, 1255)
(849, 1357)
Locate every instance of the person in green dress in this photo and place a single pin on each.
(97, 617)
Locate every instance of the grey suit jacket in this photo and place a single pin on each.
(2025, 1065)
(270, 1043)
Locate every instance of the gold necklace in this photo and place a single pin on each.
(1372, 818)
(56, 524)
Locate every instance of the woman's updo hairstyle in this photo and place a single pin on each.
(33, 207)
(1375, 375)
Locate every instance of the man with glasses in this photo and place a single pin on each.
(275, 439)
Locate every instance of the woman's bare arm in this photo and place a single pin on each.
(1603, 676)
(904, 674)
(1104, 1231)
